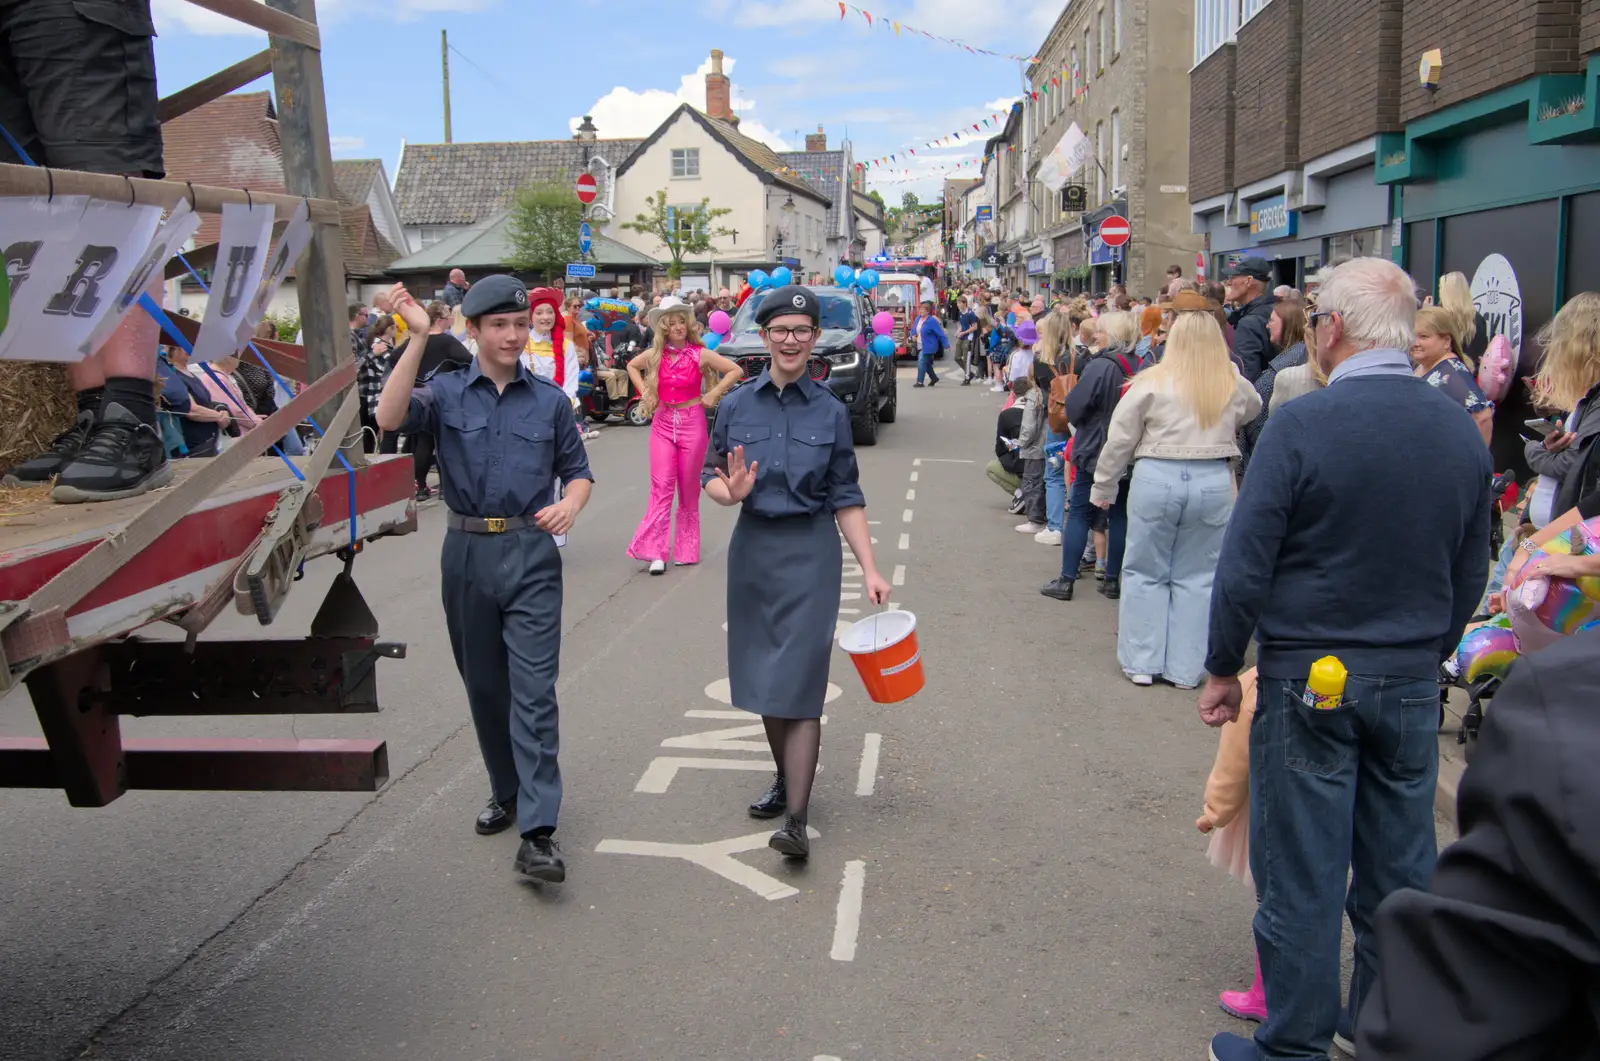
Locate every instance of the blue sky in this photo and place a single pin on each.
(527, 69)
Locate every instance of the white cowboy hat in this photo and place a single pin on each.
(668, 304)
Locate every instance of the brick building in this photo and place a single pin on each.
(1451, 135)
(1116, 68)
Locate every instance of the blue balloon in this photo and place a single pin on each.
(883, 345)
(617, 326)
(758, 279)
(711, 340)
(782, 277)
(843, 275)
(592, 304)
(868, 279)
(594, 324)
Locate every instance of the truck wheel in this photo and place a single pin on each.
(864, 429)
(636, 414)
(890, 408)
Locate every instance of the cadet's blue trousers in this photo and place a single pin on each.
(502, 606)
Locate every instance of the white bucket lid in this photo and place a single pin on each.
(877, 632)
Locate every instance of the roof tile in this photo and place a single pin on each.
(462, 184)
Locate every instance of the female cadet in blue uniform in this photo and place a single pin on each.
(505, 440)
(784, 559)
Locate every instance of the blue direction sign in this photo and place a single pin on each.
(585, 238)
(580, 272)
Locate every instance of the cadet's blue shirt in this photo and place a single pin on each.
(501, 453)
(799, 438)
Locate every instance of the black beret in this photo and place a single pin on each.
(495, 294)
(786, 300)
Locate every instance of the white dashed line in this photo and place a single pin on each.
(847, 922)
(867, 778)
(905, 517)
(911, 495)
(899, 578)
(905, 541)
(914, 476)
(916, 462)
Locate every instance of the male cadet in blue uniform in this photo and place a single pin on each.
(505, 439)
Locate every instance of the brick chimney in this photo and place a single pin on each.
(719, 93)
(587, 131)
(817, 141)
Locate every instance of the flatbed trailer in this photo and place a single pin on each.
(79, 583)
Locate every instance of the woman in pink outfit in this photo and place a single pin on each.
(679, 380)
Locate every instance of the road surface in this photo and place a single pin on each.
(1007, 865)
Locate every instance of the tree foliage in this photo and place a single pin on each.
(909, 200)
(544, 228)
(681, 231)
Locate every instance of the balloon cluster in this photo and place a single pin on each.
(865, 279)
(608, 314)
(718, 325)
(760, 279)
(883, 333)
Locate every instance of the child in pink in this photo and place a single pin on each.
(672, 376)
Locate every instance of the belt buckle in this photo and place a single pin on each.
(495, 525)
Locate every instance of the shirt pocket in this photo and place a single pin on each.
(461, 442)
(532, 455)
(756, 440)
(811, 456)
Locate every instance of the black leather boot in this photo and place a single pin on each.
(791, 840)
(497, 817)
(539, 858)
(772, 801)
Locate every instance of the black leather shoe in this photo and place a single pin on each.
(1059, 588)
(791, 840)
(497, 817)
(1111, 589)
(772, 801)
(539, 858)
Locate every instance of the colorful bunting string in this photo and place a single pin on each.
(995, 122)
(884, 22)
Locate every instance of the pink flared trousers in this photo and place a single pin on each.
(677, 452)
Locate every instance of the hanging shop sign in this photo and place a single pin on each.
(1074, 198)
(1498, 298)
(983, 213)
(1037, 266)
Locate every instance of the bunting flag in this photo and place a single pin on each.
(953, 139)
(888, 23)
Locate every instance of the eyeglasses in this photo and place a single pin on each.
(803, 334)
(1315, 318)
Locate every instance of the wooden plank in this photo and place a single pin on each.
(69, 587)
(308, 171)
(206, 198)
(288, 359)
(216, 86)
(273, 20)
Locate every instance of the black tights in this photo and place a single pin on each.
(795, 744)
(422, 448)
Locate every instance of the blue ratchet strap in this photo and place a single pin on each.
(350, 472)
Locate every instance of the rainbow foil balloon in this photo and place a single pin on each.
(1489, 649)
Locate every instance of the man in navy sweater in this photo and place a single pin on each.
(1360, 533)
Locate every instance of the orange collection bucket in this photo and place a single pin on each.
(884, 649)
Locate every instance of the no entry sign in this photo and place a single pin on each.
(587, 189)
(1114, 231)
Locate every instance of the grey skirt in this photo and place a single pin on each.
(783, 602)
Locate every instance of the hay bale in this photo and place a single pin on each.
(36, 405)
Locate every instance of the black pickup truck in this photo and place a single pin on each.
(863, 382)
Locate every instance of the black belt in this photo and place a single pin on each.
(490, 525)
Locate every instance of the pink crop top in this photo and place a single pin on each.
(679, 376)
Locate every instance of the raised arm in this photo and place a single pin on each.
(395, 401)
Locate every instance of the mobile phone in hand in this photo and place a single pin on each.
(1537, 430)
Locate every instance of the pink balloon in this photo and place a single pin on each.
(719, 322)
(883, 323)
(861, 342)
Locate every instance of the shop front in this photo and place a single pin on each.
(1071, 264)
(1511, 200)
(1105, 263)
(1331, 210)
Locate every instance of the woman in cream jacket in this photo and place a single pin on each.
(1179, 420)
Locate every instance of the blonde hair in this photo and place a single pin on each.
(1048, 348)
(650, 360)
(1455, 296)
(1571, 365)
(1120, 328)
(1440, 320)
(1196, 367)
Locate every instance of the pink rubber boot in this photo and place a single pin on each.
(1246, 1005)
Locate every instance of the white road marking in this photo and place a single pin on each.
(722, 740)
(905, 517)
(824, 1057)
(849, 585)
(916, 462)
(706, 712)
(721, 691)
(911, 495)
(847, 920)
(905, 541)
(914, 476)
(849, 611)
(899, 578)
(867, 776)
(658, 775)
(849, 596)
(717, 856)
(851, 570)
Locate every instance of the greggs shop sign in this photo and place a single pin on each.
(1271, 218)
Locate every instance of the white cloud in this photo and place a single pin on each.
(344, 145)
(623, 112)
